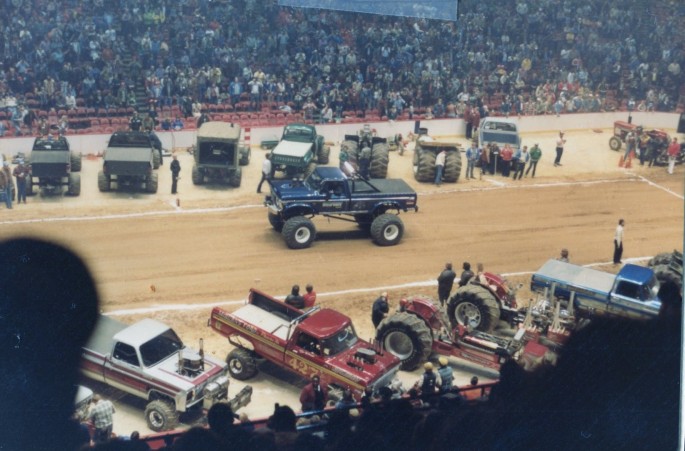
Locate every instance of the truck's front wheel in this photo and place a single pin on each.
(104, 183)
(161, 415)
(474, 306)
(299, 232)
(241, 364)
(387, 230)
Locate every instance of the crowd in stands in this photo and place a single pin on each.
(509, 57)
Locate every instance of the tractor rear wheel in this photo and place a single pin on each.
(663, 258)
(615, 143)
(241, 364)
(161, 415)
(352, 150)
(387, 229)
(74, 187)
(378, 168)
(474, 306)
(452, 167)
(425, 168)
(197, 176)
(407, 337)
(299, 232)
(665, 274)
(324, 155)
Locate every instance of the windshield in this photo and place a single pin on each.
(313, 182)
(160, 347)
(339, 342)
(499, 137)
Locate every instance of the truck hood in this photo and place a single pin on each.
(292, 190)
(166, 370)
(366, 365)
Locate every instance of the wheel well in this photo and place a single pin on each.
(297, 211)
(154, 395)
(384, 208)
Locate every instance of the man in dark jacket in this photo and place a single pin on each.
(175, 171)
(445, 282)
(313, 395)
(466, 274)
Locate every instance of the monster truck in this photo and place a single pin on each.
(329, 192)
(426, 149)
(52, 166)
(419, 328)
(129, 160)
(316, 341)
(149, 361)
(353, 144)
(299, 150)
(218, 154)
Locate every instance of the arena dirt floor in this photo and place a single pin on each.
(154, 258)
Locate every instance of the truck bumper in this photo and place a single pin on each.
(215, 391)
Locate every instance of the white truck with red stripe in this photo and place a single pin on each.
(148, 360)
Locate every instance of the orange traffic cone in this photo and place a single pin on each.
(620, 162)
(628, 164)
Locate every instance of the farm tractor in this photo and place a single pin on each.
(353, 145)
(426, 149)
(419, 328)
(660, 140)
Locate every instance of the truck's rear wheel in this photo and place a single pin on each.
(387, 230)
(615, 143)
(156, 159)
(152, 183)
(378, 168)
(197, 176)
(74, 188)
(104, 183)
(474, 306)
(161, 415)
(452, 167)
(245, 154)
(352, 149)
(324, 155)
(299, 232)
(236, 177)
(276, 222)
(241, 364)
(407, 337)
(425, 168)
(75, 161)
(29, 189)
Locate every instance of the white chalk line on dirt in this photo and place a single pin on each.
(663, 188)
(180, 210)
(425, 283)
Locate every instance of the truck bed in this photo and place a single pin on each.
(577, 276)
(101, 340)
(383, 187)
(262, 319)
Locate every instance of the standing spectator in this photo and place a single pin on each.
(294, 298)
(484, 160)
(654, 148)
(30, 120)
(520, 160)
(563, 257)
(673, 151)
(535, 155)
(9, 184)
(559, 149)
(631, 140)
(309, 296)
(100, 414)
(507, 155)
(135, 123)
(428, 382)
(643, 146)
(313, 396)
(175, 171)
(3, 188)
(440, 166)
(472, 156)
(204, 117)
(344, 157)
(364, 161)
(21, 173)
(266, 172)
(445, 375)
(618, 242)
(380, 309)
(445, 283)
(466, 274)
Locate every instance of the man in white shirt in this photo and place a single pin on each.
(618, 242)
(266, 172)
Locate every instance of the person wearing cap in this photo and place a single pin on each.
(559, 149)
(535, 155)
(380, 309)
(445, 375)
(445, 283)
(21, 174)
(428, 381)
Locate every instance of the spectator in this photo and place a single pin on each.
(380, 309)
(445, 283)
(294, 298)
(100, 414)
(309, 296)
(177, 125)
(466, 274)
(313, 396)
(21, 174)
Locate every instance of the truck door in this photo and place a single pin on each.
(122, 370)
(337, 198)
(304, 355)
(629, 300)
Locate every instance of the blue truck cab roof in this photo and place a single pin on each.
(637, 274)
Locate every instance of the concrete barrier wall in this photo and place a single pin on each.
(439, 128)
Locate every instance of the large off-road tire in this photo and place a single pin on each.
(387, 229)
(665, 274)
(663, 258)
(74, 187)
(197, 176)
(474, 306)
(378, 167)
(425, 168)
(236, 177)
(324, 155)
(299, 232)
(407, 337)
(152, 183)
(615, 143)
(104, 182)
(29, 189)
(452, 167)
(156, 159)
(161, 415)
(75, 161)
(242, 364)
(352, 150)
(276, 222)
(245, 154)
